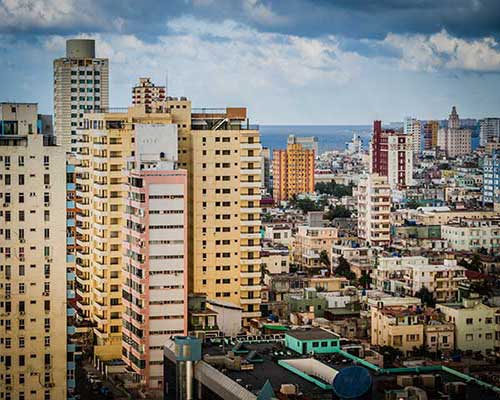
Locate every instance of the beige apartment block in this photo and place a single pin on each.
(407, 275)
(309, 242)
(105, 142)
(474, 324)
(444, 215)
(81, 84)
(33, 257)
(473, 234)
(398, 327)
(374, 209)
(221, 153)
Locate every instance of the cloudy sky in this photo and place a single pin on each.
(289, 62)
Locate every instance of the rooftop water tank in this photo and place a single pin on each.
(352, 383)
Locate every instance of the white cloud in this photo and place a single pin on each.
(443, 51)
(262, 13)
(29, 14)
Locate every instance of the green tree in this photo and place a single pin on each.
(324, 259)
(306, 205)
(344, 269)
(365, 280)
(412, 204)
(426, 297)
(337, 212)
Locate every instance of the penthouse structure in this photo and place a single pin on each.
(146, 92)
(155, 252)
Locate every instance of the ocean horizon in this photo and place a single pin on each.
(330, 137)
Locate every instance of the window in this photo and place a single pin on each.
(469, 337)
(315, 344)
(469, 321)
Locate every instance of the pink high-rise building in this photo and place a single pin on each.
(155, 276)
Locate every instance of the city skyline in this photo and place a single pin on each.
(310, 62)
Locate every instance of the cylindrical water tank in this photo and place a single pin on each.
(80, 48)
(352, 383)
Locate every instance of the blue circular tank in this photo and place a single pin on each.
(352, 383)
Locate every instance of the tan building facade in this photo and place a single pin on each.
(293, 172)
(33, 258)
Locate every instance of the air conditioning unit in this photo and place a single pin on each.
(47, 204)
(22, 240)
(45, 293)
(21, 312)
(47, 186)
(7, 296)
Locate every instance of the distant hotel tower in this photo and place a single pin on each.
(81, 83)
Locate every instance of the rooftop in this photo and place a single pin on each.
(313, 334)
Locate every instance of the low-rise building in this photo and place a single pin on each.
(360, 258)
(398, 327)
(473, 234)
(275, 260)
(278, 233)
(407, 275)
(309, 242)
(474, 324)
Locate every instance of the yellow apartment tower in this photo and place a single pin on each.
(221, 152)
(293, 171)
(32, 258)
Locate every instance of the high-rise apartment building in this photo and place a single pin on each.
(221, 152)
(431, 129)
(33, 258)
(413, 128)
(491, 178)
(455, 141)
(155, 259)
(81, 84)
(293, 172)
(391, 155)
(374, 209)
(105, 142)
(146, 92)
(489, 131)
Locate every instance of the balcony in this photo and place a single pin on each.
(248, 235)
(250, 261)
(252, 171)
(251, 288)
(250, 248)
(250, 159)
(251, 146)
(254, 274)
(251, 210)
(250, 184)
(250, 222)
(244, 300)
(250, 197)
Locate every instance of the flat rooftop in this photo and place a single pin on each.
(313, 334)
